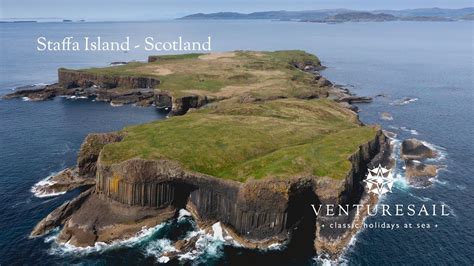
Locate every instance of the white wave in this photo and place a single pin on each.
(276, 246)
(183, 214)
(75, 97)
(62, 249)
(115, 104)
(35, 189)
(217, 229)
(450, 210)
(25, 99)
(442, 153)
(158, 248)
(404, 101)
(421, 198)
(409, 130)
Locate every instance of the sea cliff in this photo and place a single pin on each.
(270, 140)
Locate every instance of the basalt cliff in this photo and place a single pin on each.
(265, 143)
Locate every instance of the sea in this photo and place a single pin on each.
(422, 73)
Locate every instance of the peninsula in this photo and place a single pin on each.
(253, 139)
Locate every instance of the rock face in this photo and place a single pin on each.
(90, 149)
(73, 78)
(333, 241)
(145, 91)
(138, 192)
(413, 149)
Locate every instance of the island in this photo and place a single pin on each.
(341, 15)
(253, 139)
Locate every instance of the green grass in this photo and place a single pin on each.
(265, 73)
(281, 138)
(176, 56)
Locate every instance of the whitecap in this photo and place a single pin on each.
(75, 97)
(450, 210)
(115, 104)
(183, 214)
(35, 189)
(158, 247)
(25, 99)
(409, 130)
(404, 101)
(99, 247)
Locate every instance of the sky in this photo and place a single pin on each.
(165, 9)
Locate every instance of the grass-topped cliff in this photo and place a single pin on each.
(248, 138)
(262, 122)
(222, 75)
(280, 138)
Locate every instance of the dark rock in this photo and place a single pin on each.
(75, 78)
(350, 106)
(60, 215)
(90, 149)
(118, 63)
(323, 82)
(418, 174)
(257, 212)
(413, 149)
(64, 181)
(181, 105)
(355, 99)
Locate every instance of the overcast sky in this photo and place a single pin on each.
(163, 9)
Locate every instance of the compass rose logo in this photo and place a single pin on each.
(379, 180)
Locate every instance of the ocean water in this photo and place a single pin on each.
(431, 62)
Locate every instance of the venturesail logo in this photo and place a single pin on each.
(379, 180)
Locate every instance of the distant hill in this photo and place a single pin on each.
(345, 15)
(361, 16)
(430, 12)
(278, 15)
(468, 17)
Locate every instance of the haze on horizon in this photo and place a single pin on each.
(167, 9)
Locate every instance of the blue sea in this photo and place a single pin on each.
(431, 63)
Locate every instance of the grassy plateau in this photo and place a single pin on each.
(279, 135)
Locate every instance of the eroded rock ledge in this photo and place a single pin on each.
(137, 193)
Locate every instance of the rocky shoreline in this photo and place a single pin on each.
(145, 91)
(141, 193)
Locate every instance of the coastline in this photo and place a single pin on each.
(342, 95)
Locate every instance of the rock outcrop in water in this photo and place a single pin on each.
(417, 172)
(62, 182)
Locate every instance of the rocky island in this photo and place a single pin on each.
(253, 139)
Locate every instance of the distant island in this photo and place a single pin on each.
(347, 15)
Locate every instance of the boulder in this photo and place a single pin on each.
(419, 174)
(414, 149)
(386, 116)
